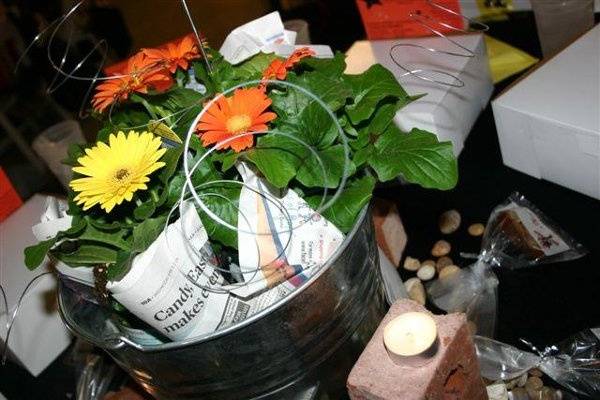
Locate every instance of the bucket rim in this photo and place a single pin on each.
(120, 340)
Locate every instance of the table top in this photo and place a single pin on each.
(543, 304)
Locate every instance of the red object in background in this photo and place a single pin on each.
(390, 19)
(9, 199)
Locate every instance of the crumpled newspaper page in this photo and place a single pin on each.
(281, 236)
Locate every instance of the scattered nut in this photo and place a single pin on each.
(534, 394)
(519, 394)
(449, 221)
(411, 264)
(522, 380)
(549, 393)
(476, 229)
(449, 271)
(415, 290)
(443, 262)
(535, 383)
(536, 372)
(440, 248)
(517, 382)
(426, 272)
(428, 262)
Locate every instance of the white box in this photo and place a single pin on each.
(447, 111)
(38, 335)
(548, 123)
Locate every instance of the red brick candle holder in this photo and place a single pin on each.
(452, 374)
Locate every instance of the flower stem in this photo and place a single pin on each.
(154, 195)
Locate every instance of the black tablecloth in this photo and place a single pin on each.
(543, 304)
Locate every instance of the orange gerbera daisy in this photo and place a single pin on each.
(279, 68)
(138, 76)
(232, 116)
(175, 54)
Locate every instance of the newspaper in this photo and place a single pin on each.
(175, 287)
(281, 240)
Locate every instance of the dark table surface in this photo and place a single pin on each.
(543, 304)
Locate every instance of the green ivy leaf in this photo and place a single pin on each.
(171, 160)
(310, 173)
(87, 255)
(204, 77)
(176, 99)
(331, 67)
(418, 156)
(289, 103)
(123, 121)
(371, 87)
(369, 131)
(343, 212)
(113, 238)
(34, 255)
(224, 202)
(316, 127)
(173, 190)
(144, 210)
(277, 157)
(121, 265)
(146, 232)
(362, 155)
(252, 69)
(226, 158)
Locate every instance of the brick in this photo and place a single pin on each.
(452, 374)
(389, 230)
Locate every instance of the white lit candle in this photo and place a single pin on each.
(411, 339)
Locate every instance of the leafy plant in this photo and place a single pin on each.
(309, 148)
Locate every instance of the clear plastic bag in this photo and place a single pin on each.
(573, 363)
(517, 235)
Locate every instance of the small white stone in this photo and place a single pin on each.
(411, 264)
(416, 290)
(426, 272)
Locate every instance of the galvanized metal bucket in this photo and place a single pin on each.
(302, 347)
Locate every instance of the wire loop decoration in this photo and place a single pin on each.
(429, 74)
(11, 317)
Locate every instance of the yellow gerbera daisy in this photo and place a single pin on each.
(115, 171)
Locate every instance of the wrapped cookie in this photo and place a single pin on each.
(573, 363)
(517, 235)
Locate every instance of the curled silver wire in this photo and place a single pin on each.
(99, 48)
(197, 197)
(10, 319)
(424, 20)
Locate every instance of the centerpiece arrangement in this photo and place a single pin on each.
(127, 184)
